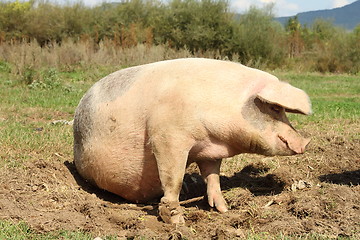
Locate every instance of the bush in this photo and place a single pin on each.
(336, 50)
(258, 40)
(196, 25)
(39, 33)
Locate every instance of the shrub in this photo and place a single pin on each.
(196, 25)
(39, 34)
(258, 40)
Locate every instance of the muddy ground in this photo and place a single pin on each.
(317, 193)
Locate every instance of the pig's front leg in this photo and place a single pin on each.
(210, 170)
(171, 157)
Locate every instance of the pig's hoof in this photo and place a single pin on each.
(171, 212)
(222, 208)
(217, 201)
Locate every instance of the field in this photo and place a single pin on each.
(311, 196)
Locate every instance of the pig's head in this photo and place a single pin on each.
(270, 130)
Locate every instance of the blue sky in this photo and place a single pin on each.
(289, 7)
(282, 7)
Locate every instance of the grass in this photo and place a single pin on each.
(20, 231)
(26, 114)
(27, 110)
(332, 96)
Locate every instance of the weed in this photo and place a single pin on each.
(5, 67)
(28, 76)
(48, 79)
(20, 231)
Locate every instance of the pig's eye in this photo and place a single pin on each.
(276, 109)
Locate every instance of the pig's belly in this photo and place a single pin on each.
(131, 174)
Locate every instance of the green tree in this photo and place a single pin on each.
(13, 19)
(258, 39)
(356, 31)
(330, 47)
(76, 20)
(354, 50)
(128, 22)
(45, 23)
(295, 40)
(323, 29)
(197, 25)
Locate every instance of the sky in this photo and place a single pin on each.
(289, 7)
(282, 7)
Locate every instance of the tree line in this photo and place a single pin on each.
(253, 38)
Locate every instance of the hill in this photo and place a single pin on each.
(347, 16)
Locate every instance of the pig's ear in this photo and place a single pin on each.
(283, 94)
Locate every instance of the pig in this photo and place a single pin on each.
(137, 129)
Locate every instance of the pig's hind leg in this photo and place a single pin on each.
(210, 170)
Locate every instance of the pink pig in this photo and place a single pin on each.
(136, 130)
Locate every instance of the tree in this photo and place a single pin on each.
(13, 19)
(258, 38)
(323, 29)
(197, 25)
(295, 40)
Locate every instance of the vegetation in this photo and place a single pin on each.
(51, 54)
(21, 231)
(38, 33)
(27, 135)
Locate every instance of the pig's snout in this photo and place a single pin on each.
(296, 143)
(306, 143)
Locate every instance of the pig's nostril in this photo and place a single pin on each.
(284, 140)
(296, 148)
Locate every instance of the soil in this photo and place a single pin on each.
(314, 193)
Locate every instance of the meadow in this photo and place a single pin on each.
(43, 197)
(50, 54)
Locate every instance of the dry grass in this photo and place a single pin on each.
(71, 55)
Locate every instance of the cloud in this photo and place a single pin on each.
(282, 7)
(93, 3)
(241, 5)
(339, 3)
(268, 1)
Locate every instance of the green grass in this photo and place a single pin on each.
(332, 96)
(26, 112)
(21, 231)
(61, 97)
